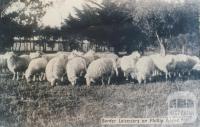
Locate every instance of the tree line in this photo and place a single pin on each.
(124, 25)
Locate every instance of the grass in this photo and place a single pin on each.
(39, 105)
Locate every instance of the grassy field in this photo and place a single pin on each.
(39, 105)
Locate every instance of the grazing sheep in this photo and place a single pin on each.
(90, 56)
(196, 70)
(184, 64)
(63, 53)
(77, 65)
(17, 64)
(144, 69)
(48, 57)
(36, 68)
(76, 69)
(55, 69)
(103, 69)
(163, 63)
(35, 54)
(75, 53)
(107, 55)
(127, 63)
(3, 63)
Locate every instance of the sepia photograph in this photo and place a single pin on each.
(99, 63)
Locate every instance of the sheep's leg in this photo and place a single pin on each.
(109, 79)
(41, 77)
(18, 76)
(179, 75)
(150, 78)
(102, 81)
(62, 79)
(34, 78)
(44, 76)
(189, 74)
(14, 75)
(126, 75)
(23, 76)
(73, 83)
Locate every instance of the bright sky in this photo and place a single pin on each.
(60, 10)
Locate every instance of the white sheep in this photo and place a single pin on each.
(36, 68)
(127, 63)
(101, 69)
(48, 57)
(90, 56)
(55, 69)
(107, 55)
(36, 54)
(196, 67)
(3, 63)
(16, 64)
(144, 69)
(75, 53)
(76, 69)
(164, 64)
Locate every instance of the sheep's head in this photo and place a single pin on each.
(36, 54)
(9, 54)
(136, 55)
(75, 53)
(89, 80)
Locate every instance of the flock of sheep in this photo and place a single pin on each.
(93, 67)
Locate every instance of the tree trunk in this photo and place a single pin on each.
(162, 47)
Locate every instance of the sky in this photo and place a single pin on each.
(60, 10)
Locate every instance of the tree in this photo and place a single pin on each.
(109, 25)
(18, 22)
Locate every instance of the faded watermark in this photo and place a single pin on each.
(182, 108)
(183, 105)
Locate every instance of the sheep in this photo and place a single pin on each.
(144, 69)
(127, 63)
(76, 69)
(35, 54)
(163, 63)
(90, 56)
(63, 53)
(55, 69)
(17, 64)
(184, 64)
(47, 56)
(101, 69)
(196, 70)
(36, 67)
(75, 53)
(3, 63)
(107, 55)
